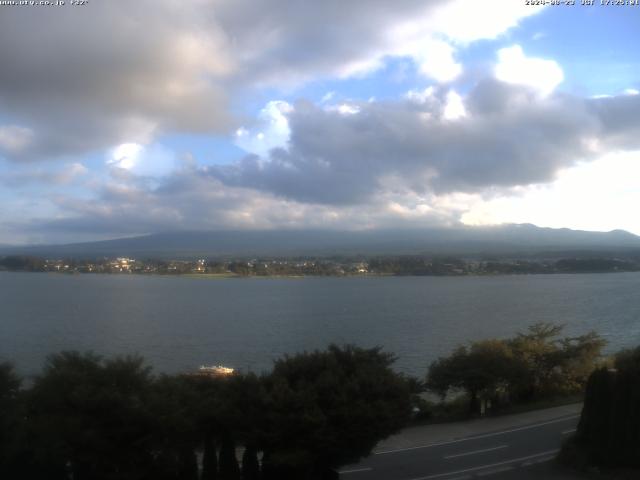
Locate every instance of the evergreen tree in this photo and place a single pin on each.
(209, 459)
(11, 432)
(229, 468)
(609, 428)
(250, 464)
(330, 408)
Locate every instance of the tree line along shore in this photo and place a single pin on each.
(415, 265)
(85, 416)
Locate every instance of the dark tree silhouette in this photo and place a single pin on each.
(609, 428)
(89, 419)
(10, 425)
(250, 464)
(209, 458)
(534, 364)
(229, 468)
(484, 370)
(330, 408)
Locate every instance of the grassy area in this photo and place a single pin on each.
(210, 275)
(457, 409)
(540, 405)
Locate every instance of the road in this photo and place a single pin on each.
(521, 452)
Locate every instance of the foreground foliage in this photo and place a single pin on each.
(86, 417)
(533, 365)
(609, 430)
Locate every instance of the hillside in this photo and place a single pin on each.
(503, 240)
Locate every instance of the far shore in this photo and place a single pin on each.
(229, 275)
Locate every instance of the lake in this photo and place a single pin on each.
(180, 323)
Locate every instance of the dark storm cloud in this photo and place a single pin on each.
(511, 137)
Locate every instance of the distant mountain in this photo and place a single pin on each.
(501, 240)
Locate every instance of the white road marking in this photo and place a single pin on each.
(567, 432)
(538, 460)
(486, 435)
(495, 470)
(356, 470)
(476, 451)
(492, 465)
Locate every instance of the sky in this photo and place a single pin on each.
(122, 118)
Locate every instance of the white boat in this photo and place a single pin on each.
(215, 370)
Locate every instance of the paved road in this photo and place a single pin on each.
(522, 452)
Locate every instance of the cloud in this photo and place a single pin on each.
(14, 139)
(391, 164)
(145, 160)
(435, 59)
(56, 176)
(84, 80)
(514, 67)
(464, 22)
(387, 163)
(270, 131)
(588, 196)
(454, 107)
(194, 200)
(436, 143)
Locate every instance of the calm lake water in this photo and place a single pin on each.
(179, 323)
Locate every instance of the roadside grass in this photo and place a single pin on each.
(457, 409)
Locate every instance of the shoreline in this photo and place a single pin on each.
(230, 275)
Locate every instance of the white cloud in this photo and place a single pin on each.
(344, 109)
(463, 21)
(540, 74)
(144, 160)
(327, 96)
(631, 91)
(14, 139)
(514, 67)
(454, 108)
(195, 59)
(64, 175)
(590, 196)
(436, 60)
(74, 170)
(125, 155)
(431, 39)
(271, 130)
(420, 96)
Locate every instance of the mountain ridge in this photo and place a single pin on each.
(506, 239)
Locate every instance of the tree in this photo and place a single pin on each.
(229, 468)
(533, 364)
(484, 370)
(330, 408)
(209, 458)
(176, 430)
(554, 365)
(88, 417)
(250, 464)
(241, 411)
(609, 428)
(230, 409)
(10, 426)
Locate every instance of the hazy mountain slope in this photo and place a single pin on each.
(498, 240)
